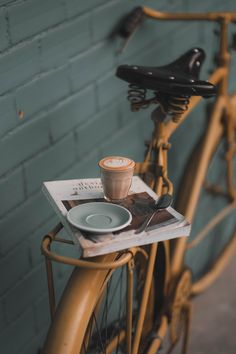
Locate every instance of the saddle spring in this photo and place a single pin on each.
(174, 105)
(136, 96)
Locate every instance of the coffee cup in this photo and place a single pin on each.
(116, 176)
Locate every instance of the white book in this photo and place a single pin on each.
(168, 224)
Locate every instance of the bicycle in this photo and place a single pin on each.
(159, 285)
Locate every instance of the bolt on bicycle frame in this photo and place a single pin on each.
(162, 184)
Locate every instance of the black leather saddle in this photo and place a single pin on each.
(179, 78)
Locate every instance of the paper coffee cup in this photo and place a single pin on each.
(116, 176)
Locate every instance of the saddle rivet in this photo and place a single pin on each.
(135, 67)
(171, 77)
(197, 63)
(149, 72)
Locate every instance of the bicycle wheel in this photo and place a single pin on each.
(218, 241)
(100, 310)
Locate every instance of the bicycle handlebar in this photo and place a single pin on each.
(136, 17)
(183, 16)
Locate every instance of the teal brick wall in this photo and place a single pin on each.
(62, 109)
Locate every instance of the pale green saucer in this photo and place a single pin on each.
(99, 217)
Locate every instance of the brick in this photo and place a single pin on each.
(127, 141)
(196, 34)
(142, 121)
(8, 115)
(206, 33)
(71, 112)
(155, 55)
(75, 7)
(232, 84)
(13, 267)
(3, 30)
(18, 224)
(162, 4)
(186, 42)
(47, 165)
(36, 237)
(87, 66)
(63, 271)
(203, 6)
(145, 127)
(105, 18)
(42, 92)
(178, 155)
(23, 143)
(126, 115)
(230, 6)
(59, 45)
(106, 123)
(61, 283)
(151, 33)
(18, 333)
(31, 17)
(84, 168)
(18, 65)
(42, 312)
(26, 292)
(109, 88)
(35, 344)
(11, 191)
(2, 317)
(216, 170)
(5, 2)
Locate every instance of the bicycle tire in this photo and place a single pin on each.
(74, 318)
(66, 329)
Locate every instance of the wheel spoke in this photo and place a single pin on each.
(106, 332)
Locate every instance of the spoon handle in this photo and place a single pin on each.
(146, 222)
(163, 202)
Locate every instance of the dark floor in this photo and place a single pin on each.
(214, 317)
